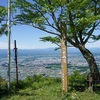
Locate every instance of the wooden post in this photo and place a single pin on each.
(64, 58)
(15, 48)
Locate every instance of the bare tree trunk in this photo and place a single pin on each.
(91, 61)
(64, 58)
(64, 66)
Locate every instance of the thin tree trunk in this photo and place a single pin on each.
(91, 61)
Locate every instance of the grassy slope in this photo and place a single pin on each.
(39, 88)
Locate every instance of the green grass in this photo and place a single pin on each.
(46, 88)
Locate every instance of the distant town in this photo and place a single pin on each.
(46, 65)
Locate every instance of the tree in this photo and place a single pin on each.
(3, 13)
(80, 18)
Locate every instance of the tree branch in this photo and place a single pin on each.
(53, 16)
(47, 20)
(45, 30)
(89, 34)
(71, 42)
(80, 36)
(39, 28)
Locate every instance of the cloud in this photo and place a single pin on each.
(93, 45)
(4, 45)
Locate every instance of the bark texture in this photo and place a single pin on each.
(64, 58)
(91, 61)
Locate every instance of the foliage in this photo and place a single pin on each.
(77, 81)
(47, 16)
(51, 39)
(3, 83)
(3, 13)
(3, 86)
(54, 40)
(86, 95)
(21, 85)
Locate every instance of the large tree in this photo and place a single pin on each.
(81, 18)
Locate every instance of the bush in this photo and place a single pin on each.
(21, 85)
(37, 78)
(3, 86)
(3, 83)
(77, 81)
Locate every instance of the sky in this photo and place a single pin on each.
(27, 37)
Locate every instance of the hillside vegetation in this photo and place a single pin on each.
(45, 88)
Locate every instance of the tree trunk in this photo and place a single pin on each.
(64, 58)
(64, 66)
(91, 61)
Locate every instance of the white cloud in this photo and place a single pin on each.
(4, 45)
(93, 45)
(35, 46)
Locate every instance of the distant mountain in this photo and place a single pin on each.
(45, 51)
(75, 50)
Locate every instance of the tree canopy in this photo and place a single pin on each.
(82, 17)
(78, 17)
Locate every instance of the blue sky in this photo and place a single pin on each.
(28, 37)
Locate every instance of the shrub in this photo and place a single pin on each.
(77, 81)
(37, 78)
(3, 83)
(3, 86)
(21, 85)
